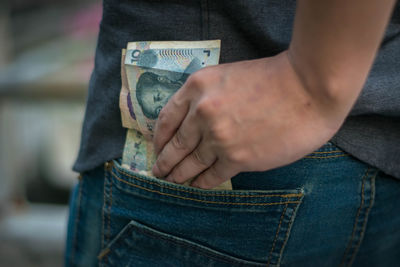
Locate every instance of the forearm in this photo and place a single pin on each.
(333, 47)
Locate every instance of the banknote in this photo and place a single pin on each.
(178, 56)
(151, 72)
(138, 155)
(154, 71)
(127, 114)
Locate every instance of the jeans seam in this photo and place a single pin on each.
(206, 201)
(199, 193)
(326, 157)
(355, 221)
(294, 211)
(328, 152)
(75, 238)
(364, 224)
(189, 246)
(276, 235)
(360, 225)
(106, 229)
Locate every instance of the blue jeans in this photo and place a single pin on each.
(327, 209)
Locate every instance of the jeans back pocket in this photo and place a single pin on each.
(151, 222)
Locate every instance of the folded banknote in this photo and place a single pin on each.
(151, 72)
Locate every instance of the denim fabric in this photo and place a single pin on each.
(84, 225)
(327, 209)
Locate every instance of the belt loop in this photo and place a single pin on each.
(108, 165)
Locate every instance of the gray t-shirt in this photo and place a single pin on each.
(248, 30)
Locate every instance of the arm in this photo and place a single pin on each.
(333, 47)
(220, 123)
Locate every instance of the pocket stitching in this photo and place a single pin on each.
(294, 211)
(190, 246)
(209, 201)
(107, 205)
(327, 152)
(326, 157)
(198, 248)
(364, 223)
(298, 195)
(356, 218)
(360, 225)
(276, 235)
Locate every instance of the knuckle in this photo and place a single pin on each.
(198, 158)
(163, 165)
(200, 81)
(205, 109)
(214, 175)
(238, 157)
(179, 141)
(176, 102)
(221, 134)
(196, 79)
(206, 76)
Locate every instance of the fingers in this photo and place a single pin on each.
(170, 118)
(192, 165)
(184, 141)
(218, 173)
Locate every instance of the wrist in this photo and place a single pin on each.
(332, 93)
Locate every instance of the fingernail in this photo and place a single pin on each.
(156, 171)
(169, 179)
(194, 185)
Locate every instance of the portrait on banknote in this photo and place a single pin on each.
(153, 91)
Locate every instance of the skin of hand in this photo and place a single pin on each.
(245, 116)
(262, 114)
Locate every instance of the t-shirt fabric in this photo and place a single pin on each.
(248, 29)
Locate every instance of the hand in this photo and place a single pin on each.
(246, 116)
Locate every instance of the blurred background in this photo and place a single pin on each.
(46, 57)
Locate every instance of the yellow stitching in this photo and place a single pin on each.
(103, 253)
(276, 235)
(292, 217)
(358, 211)
(327, 157)
(205, 201)
(356, 219)
(365, 219)
(326, 152)
(200, 193)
